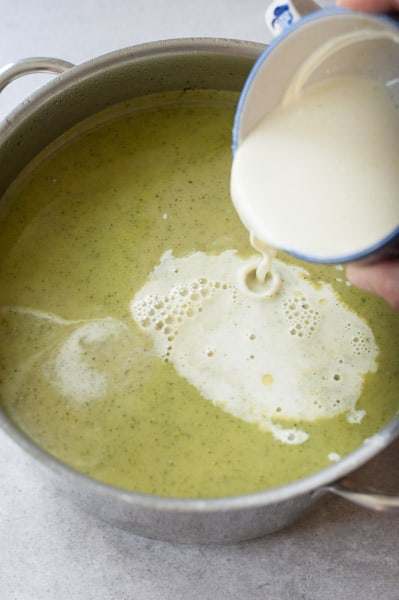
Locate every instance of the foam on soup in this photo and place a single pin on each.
(230, 344)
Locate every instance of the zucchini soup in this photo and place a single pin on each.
(133, 345)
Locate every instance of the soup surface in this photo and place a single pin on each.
(113, 222)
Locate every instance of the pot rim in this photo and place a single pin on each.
(305, 485)
(81, 482)
(173, 46)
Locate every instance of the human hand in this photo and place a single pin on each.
(380, 278)
(371, 5)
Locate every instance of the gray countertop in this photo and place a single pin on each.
(51, 550)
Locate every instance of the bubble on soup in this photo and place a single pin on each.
(298, 356)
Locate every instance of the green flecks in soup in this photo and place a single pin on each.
(82, 229)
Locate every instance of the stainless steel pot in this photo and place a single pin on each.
(76, 93)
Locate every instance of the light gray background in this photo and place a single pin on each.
(49, 550)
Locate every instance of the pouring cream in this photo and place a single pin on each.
(319, 175)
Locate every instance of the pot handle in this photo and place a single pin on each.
(28, 66)
(366, 497)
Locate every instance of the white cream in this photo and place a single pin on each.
(72, 371)
(83, 359)
(259, 276)
(299, 355)
(320, 176)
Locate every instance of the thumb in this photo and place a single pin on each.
(381, 278)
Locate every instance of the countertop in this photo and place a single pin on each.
(49, 549)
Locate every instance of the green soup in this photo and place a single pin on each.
(81, 229)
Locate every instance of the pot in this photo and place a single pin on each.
(78, 92)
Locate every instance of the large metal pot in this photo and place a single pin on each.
(73, 95)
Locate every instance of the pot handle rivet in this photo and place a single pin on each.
(28, 66)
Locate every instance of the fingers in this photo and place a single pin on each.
(381, 278)
(370, 5)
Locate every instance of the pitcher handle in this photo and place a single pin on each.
(280, 14)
